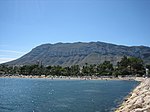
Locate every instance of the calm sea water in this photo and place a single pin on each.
(44, 95)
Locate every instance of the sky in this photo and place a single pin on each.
(25, 24)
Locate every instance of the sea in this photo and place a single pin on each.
(46, 95)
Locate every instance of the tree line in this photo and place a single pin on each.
(127, 66)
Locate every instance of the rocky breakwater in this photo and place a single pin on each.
(138, 100)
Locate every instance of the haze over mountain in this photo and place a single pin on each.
(66, 54)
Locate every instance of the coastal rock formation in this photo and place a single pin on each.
(139, 100)
(67, 54)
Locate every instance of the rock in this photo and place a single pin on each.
(147, 100)
(133, 95)
(143, 91)
(148, 93)
(138, 110)
(139, 101)
(147, 109)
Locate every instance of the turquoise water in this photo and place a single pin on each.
(44, 95)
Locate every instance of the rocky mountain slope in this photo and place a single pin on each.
(67, 54)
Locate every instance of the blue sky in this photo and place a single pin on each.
(24, 24)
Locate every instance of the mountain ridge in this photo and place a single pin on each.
(67, 54)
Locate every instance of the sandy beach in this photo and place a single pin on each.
(75, 78)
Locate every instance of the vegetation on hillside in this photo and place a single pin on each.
(127, 66)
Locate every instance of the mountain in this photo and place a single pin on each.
(66, 54)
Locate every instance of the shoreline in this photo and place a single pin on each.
(138, 99)
(76, 78)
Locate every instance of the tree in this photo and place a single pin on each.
(86, 70)
(75, 70)
(136, 66)
(106, 68)
(123, 67)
